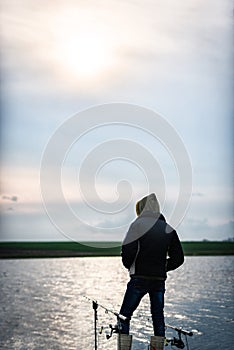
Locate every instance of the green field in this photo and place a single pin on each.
(73, 249)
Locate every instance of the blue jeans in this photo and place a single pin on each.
(136, 288)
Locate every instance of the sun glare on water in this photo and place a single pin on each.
(83, 48)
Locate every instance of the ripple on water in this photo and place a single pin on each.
(43, 305)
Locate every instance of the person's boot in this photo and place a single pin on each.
(124, 342)
(156, 343)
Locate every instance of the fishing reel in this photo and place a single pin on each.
(178, 342)
(115, 329)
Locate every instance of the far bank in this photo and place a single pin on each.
(9, 250)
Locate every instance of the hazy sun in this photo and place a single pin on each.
(85, 54)
(82, 48)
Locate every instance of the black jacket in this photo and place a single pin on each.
(151, 247)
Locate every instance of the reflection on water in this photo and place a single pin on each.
(42, 303)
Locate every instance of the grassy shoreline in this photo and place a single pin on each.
(11, 250)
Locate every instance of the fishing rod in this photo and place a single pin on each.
(177, 342)
(118, 315)
(115, 329)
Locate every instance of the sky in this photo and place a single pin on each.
(61, 58)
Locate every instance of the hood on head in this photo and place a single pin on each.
(148, 203)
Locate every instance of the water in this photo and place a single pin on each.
(42, 303)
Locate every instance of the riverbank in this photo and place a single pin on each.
(9, 250)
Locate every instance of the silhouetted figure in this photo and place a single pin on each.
(150, 249)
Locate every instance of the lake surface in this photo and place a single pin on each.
(42, 303)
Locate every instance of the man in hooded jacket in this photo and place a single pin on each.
(150, 249)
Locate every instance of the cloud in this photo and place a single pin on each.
(199, 229)
(198, 194)
(10, 198)
(168, 58)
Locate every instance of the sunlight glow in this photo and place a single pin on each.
(83, 48)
